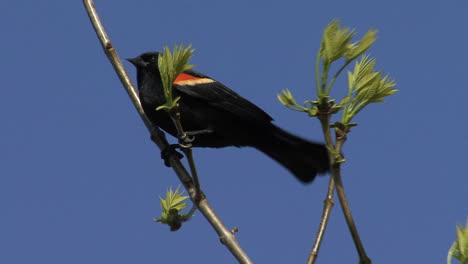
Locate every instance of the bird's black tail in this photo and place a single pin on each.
(303, 158)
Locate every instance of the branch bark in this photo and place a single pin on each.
(328, 203)
(336, 173)
(226, 236)
(335, 183)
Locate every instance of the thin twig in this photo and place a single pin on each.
(193, 170)
(226, 237)
(190, 213)
(329, 86)
(336, 173)
(337, 183)
(327, 207)
(175, 116)
(328, 203)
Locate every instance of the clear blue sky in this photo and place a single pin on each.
(80, 179)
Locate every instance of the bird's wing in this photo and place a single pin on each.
(214, 93)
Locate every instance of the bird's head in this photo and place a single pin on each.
(146, 61)
(147, 69)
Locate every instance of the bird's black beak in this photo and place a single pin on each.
(135, 61)
(138, 62)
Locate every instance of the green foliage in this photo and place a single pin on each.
(170, 66)
(171, 206)
(357, 49)
(459, 249)
(335, 42)
(365, 85)
(287, 99)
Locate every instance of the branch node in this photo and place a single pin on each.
(329, 201)
(109, 46)
(234, 230)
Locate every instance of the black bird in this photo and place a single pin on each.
(225, 119)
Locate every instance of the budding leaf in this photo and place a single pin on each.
(357, 49)
(461, 251)
(287, 99)
(365, 86)
(170, 66)
(335, 42)
(171, 206)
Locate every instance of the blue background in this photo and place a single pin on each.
(80, 179)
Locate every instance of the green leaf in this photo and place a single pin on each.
(365, 86)
(170, 66)
(357, 49)
(175, 199)
(345, 100)
(335, 42)
(283, 98)
(336, 108)
(163, 206)
(287, 99)
(362, 68)
(462, 244)
(171, 206)
(313, 111)
(169, 105)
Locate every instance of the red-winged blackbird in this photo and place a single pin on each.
(225, 119)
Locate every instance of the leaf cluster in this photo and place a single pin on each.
(170, 66)
(171, 206)
(336, 43)
(459, 249)
(365, 85)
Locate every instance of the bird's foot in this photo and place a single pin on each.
(199, 132)
(169, 151)
(186, 140)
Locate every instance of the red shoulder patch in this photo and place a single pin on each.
(187, 79)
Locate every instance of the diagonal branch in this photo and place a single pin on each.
(227, 237)
(335, 183)
(363, 258)
(324, 117)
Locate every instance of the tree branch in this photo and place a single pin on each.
(324, 117)
(335, 182)
(226, 237)
(336, 174)
(328, 204)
